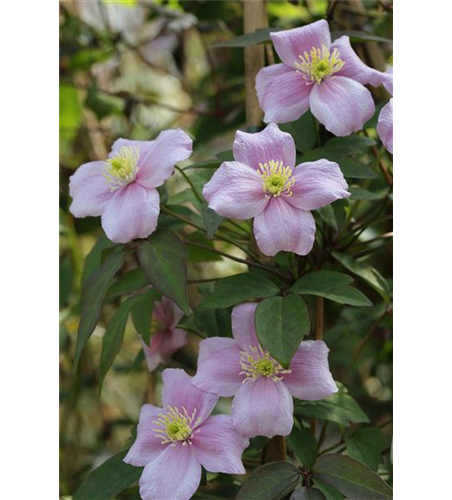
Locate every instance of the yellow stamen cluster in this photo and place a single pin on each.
(277, 180)
(176, 426)
(122, 168)
(257, 362)
(319, 63)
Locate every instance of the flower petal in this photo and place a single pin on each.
(310, 376)
(147, 446)
(317, 184)
(167, 312)
(179, 391)
(235, 191)
(354, 68)
(385, 126)
(173, 475)
(263, 408)
(282, 93)
(388, 80)
(219, 366)
(341, 104)
(89, 190)
(157, 164)
(152, 352)
(219, 446)
(131, 213)
(290, 44)
(282, 227)
(243, 328)
(261, 147)
(163, 346)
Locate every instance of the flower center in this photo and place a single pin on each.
(277, 180)
(319, 63)
(176, 426)
(257, 362)
(122, 168)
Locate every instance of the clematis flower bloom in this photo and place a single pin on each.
(315, 74)
(386, 118)
(174, 441)
(262, 388)
(264, 183)
(165, 339)
(123, 190)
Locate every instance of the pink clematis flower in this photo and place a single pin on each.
(174, 441)
(315, 74)
(386, 118)
(261, 387)
(264, 183)
(166, 339)
(123, 190)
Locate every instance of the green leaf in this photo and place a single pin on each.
(225, 155)
(128, 283)
(70, 112)
(331, 285)
(329, 492)
(281, 324)
(328, 216)
(203, 164)
(369, 274)
(163, 258)
(259, 36)
(142, 313)
(364, 194)
(304, 445)
(359, 36)
(352, 479)
(340, 408)
(94, 259)
(356, 169)
(239, 288)
(272, 481)
(211, 220)
(338, 148)
(302, 131)
(93, 294)
(113, 337)
(214, 322)
(103, 104)
(108, 480)
(366, 445)
(307, 494)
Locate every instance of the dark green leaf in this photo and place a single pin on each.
(214, 322)
(366, 272)
(239, 288)
(304, 445)
(281, 324)
(366, 445)
(128, 283)
(364, 194)
(108, 480)
(359, 36)
(352, 479)
(331, 285)
(338, 148)
(328, 216)
(225, 155)
(211, 220)
(329, 492)
(340, 408)
(302, 131)
(142, 313)
(103, 104)
(258, 36)
(356, 169)
(163, 259)
(307, 494)
(93, 294)
(94, 259)
(203, 164)
(272, 481)
(113, 337)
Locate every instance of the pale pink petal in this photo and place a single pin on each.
(179, 391)
(282, 92)
(163, 346)
(144, 147)
(310, 376)
(235, 191)
(342, 105)
(354, 68)
(219, 446)
(243, 328)
(174, 475)
(317, 184)
(261, 147)
(283, 227)
(167, 312)
(385, 126)
(157, 164)
(219, 366)
(263, 408)
(388, 80)
(152, 352)
(147, 446)
(89, 190)
(131, 213)
(290, 44)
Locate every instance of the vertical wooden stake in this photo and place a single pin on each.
(254, 18)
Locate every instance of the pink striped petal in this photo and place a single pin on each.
(167, 312)
(163, 346)
(283, 227)
(243, 329)
(385, 126)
